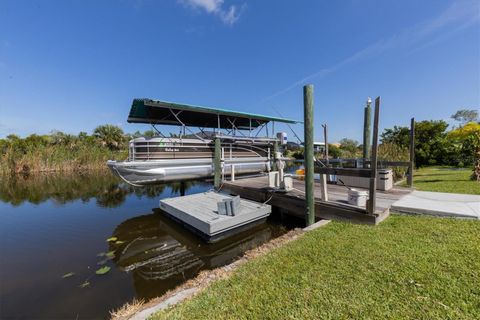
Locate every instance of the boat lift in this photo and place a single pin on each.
(249, 132)
(214, 215)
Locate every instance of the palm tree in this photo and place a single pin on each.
(109, 135)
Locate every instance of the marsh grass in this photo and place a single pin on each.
(127, 310)
(57, 158)
(62, 152)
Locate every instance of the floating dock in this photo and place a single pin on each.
(202, 214)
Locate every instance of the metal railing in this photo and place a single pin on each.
(156, 150)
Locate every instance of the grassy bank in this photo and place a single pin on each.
(445, 179)
(407, 267)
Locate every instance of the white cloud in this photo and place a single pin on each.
(209, 5)
(228, 15)
(458, 16)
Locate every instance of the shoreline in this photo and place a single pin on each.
(139, 310)
(142, 310)
(82, 169)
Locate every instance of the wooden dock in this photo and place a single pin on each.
(337, 208)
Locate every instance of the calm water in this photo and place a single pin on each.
(57, 224)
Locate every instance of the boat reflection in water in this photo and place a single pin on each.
(160, 254)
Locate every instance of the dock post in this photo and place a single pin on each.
(412, 153)
(182, 188)
(325, 136)
(373, 161)
(323, 177)
(275, 150)
(323, 187)
(217, 164)
(367, 129)
(308, 153)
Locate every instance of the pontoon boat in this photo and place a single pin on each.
(163, 158)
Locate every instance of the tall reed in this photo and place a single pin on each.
(57, 152)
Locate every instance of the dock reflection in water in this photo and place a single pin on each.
(160, 254)
(57, 224)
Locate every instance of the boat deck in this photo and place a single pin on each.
(336, 208)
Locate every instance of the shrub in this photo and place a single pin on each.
(394, 152)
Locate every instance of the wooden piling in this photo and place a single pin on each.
(217, 164)
(308, 153)
(325, 136)
(323, 177)
(373, 162)
(367, 129)
(275, 150)
(412, 153)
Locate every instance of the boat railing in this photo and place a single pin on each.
(155, 150)
(246, 138)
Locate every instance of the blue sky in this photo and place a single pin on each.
(72, 65)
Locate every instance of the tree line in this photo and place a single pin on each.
(435, 143)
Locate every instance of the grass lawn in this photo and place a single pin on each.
(445, 180)
(407, 267)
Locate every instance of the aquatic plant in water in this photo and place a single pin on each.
(103, 270)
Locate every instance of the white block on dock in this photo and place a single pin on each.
(384, 180)
(200, 211)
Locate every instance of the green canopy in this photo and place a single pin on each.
(168, 113)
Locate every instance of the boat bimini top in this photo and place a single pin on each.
(156, 112)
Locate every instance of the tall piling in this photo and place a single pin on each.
(308, 153)
(412, 153)
(367, 129)
(373, 161)
(217, 164)
(275, 151)
(325, 137)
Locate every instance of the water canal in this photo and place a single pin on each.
(53, 239)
